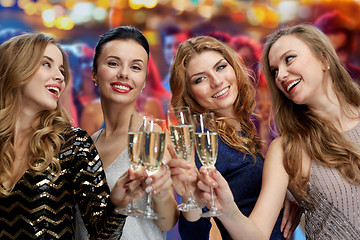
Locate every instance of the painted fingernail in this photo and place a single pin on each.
(148, 189)
(148, 180)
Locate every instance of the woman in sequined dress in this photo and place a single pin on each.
(317, 111)
(47, 166)
(207, 76)
(119, 70)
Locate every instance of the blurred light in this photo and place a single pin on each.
(49, 24)
(179, 5)
(271, 19)
(82, 12)
(256, 15)
(103, 4)
(135, 4)
(99, 14)
(238, 16)
(163, 1)
(150, 3)
(65, 23)
(48, 15)
(69, 4)
(59, 10)
(30, 8)
(153, 22)
(205, 11)
(152, 37)
(305, 12)
(22, 3)
(288, 10)
(7, 3)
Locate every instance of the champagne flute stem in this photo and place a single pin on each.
(149, 204)
(212, 198)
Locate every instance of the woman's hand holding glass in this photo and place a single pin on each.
(183, 174)
(154, 148)
(206, 143)
(135, 150)
(213, 189)
(182, 138)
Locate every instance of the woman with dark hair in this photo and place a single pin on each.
(119, 70)
(317, 111)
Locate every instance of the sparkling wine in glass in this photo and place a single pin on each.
(206, 144)
(153, 152)
(182, 138)
(135, 150)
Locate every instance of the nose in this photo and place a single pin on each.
(215, 81)
(122, 73)
(282, 74)
(59, 76)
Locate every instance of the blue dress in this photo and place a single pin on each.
(244, 178)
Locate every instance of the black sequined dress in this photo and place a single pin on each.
(39, 208)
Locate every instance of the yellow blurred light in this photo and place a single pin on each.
(69, 4)
(22, 3)
(150, 3)
(272, 19)
(135, 4)
(152, 37)
(7, 3)
(256, 15)
(103, 4)
(205, 11)
(45, 6)
(30, 8)
(178, 5)
(49, 24)
(65, 23)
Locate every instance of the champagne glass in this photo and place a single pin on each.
(135, 150)
(206, 143)
(154, 148)
(182, 138)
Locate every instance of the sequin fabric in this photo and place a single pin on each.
(134, 228)
(334, 208)
(39, 208)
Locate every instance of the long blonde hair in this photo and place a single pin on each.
(302, 129)
(20, 58)
(244, 104)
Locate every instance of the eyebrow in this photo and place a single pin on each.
(281, 57)
(199, 73)
(52, 60)
(117, 58)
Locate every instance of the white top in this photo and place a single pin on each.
(135, 228)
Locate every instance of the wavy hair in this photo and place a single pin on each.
(20, 58)
(243, 106)
(301, 128)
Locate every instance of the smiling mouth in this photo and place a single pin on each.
(121, 87)
(53, 90)
(222, 92)
(292, 85)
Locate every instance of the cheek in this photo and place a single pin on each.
(196, 92)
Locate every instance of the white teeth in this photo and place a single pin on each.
(292, 84)
(121, 87)
(222, 92)
(57, 90)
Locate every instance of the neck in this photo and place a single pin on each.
(117, 118)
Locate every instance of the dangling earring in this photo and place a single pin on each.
(328, 67)
(95, 84)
